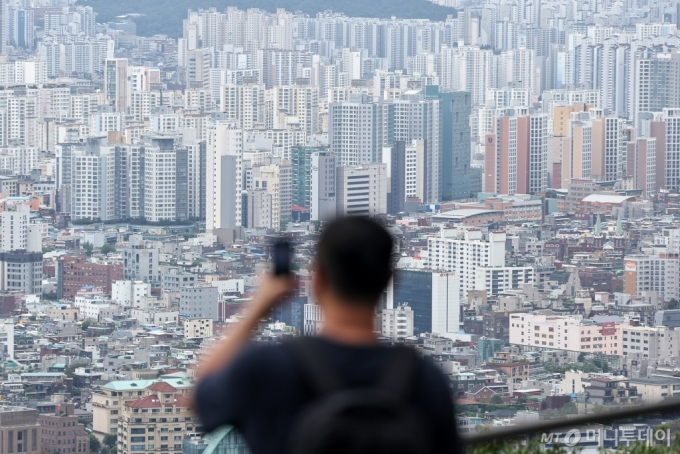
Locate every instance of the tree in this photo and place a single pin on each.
(581, 357)
(70, 370)
(599, 409)
(569, 408)
(95, 445)
(33, 317)
(110, 440)
(113, 450)
(52, 296)
(89, 247)
(673, 304)
(496, 399)
(108, 247)
(85, 325)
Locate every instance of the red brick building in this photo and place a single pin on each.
(74, 272)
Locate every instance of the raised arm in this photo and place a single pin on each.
(271, 290)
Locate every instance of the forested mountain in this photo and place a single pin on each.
(165, 16)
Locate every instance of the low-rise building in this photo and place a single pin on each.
(156, 421)
(19, 430)
(198, 328)
(658, 344)
(109, 399)
(571, 333)
(62, 433)
(655, 389)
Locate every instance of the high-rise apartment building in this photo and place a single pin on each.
(160, 178)
(607, 143)
(257, 209)
(465, 250)
(454, 172)
(93, 181)
(298, 102)
(434, 298)
(244, 103)
(224, 182)
(116, 83)
(516, 155)
(361, 190)
(301, 166)
(657, 270)
(577, 155)
(656, 84)
(395, 161)
(358, 130)
(323, 186)
(276, 179)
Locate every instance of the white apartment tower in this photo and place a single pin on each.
(17, 232)
(159, 184)
(224, 182)
(356, 132)
(93, 192)
(244, 103)
(464, 251)
(296, 101)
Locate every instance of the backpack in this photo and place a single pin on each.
(369, 420)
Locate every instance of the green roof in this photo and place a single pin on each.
(130, 385)
(58, 366)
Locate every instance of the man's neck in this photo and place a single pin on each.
(347, 324)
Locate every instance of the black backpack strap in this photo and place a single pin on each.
(399, 374)
(316, 366)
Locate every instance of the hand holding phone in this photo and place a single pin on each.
(282, 255)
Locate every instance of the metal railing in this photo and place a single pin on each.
(508, 433)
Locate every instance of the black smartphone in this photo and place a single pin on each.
(282, 256)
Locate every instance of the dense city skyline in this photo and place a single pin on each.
(524, 156)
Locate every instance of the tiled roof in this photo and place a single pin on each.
(162, 387)
(145, 402)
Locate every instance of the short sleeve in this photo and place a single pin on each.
(220, 398)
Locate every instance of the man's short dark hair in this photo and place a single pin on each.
(353, 256)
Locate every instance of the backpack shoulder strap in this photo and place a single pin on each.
(315, 365)
(399, 375)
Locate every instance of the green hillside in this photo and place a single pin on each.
(165, 16)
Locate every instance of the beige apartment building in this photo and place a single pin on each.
(108, 401)
(198, 328)
(156, 422)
